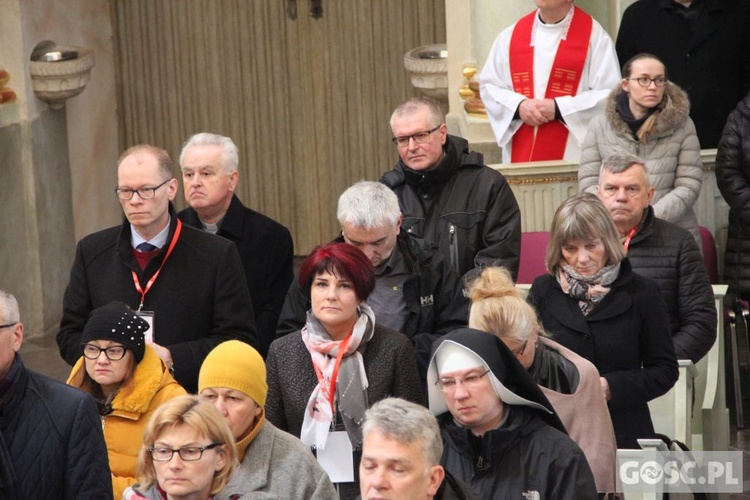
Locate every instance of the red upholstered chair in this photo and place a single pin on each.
(533, 251)
(710, 258)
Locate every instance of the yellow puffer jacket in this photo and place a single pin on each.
(151, 385)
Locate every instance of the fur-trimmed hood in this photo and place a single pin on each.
(674, 110)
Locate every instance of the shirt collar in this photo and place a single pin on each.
(158, 241)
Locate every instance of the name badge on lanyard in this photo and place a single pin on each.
(337, 458)
(147, 316)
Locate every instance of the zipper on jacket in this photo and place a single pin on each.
(453, 245)
(480, 462)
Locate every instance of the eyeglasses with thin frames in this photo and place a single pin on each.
(113, 353)
(645, 81)
(144, 193)
(419, 137)
(8, 325)
(450, 384)
(187, 453)
(519, 352)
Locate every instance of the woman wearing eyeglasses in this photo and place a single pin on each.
(647, 115)
(570, 382)
(128, 381)
(187, 453)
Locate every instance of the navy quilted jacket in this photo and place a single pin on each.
(53, 438)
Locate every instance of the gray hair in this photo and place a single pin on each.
(407, 423)
(368, 205)
(582, 217)
(620, 162)
(230, 157)
(416, 104)
(9, 312)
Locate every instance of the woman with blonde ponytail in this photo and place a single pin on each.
(647, 115)
(570, 382)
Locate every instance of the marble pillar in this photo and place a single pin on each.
(48, 157)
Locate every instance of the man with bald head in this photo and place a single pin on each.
(188, 284)
(662, 251)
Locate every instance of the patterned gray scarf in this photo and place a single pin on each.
(588, 290)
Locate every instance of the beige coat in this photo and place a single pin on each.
(586, 418)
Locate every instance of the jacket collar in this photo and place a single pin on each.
(125, 250)
(674, 111)
(493, 445)
(231, 223)
(646, 227)
(616, 302)
(463, 158)
(14, 383)
(134, 399)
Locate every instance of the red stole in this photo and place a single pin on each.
(563, 80)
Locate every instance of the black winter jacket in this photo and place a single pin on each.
(626, 336)
(712, 62)
(267, 255)
(733, 178)
(200, 298)
(433, 293)
(466, 208)
(525, 455)
(668, 254)
(53, 438)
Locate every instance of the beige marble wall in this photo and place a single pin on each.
(91, 116)
(51, 161)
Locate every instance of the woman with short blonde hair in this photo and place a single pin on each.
(187, 448)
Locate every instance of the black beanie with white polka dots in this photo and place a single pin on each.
(118, 323)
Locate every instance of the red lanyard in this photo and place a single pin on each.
(150, 282)
(330, 392)
(628, 238)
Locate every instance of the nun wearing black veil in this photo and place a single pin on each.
(500, 433)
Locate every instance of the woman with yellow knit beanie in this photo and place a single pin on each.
(233, 379)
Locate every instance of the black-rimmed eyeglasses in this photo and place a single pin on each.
(187, 453)
(144, 193)
(113, 353)
(645, 81)
(420, 137)
(8, 325)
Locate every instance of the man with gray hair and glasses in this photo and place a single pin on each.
(661, 251)
(51, 441)
(401, 454)
(449, 196)
(416, 292)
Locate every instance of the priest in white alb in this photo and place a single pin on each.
(545, 78)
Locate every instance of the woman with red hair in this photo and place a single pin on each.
(321, 380)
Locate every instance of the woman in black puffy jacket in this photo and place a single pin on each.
(733, 178)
